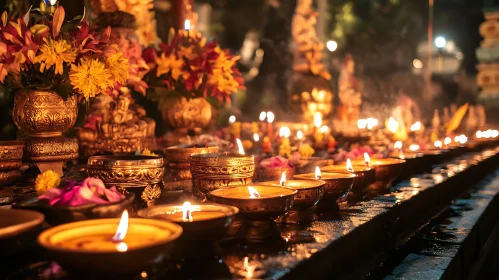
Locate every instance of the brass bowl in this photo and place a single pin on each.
(105, 260)
(387, 170)
(270, 174)
(274, 201)
(9, 177)
(200, 235)
(11, 155)
(305, 165)
(136, 172)
(179, 159)
(220, 170)
(309, 192)
(365, 176)
(337, 185)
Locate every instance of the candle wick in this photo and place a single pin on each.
(319, 177)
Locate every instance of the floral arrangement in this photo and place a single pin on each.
(40, 51)
(91, 190)
(189, 67)
(276, 162)
(306, 151)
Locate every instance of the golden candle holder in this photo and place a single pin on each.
(365, 177)
(258, 205)
(130, 173)
(11, 154)
(309, 192)
(179, 159)
(220, 170)
(387, 170)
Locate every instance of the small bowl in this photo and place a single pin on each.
(305, 165)
(387, 170)
(270, 174)
(365, 176)
(11, 154)
(14, 222)
(56, 215)
(337, 185)
(9, 177)
(179, 159)
(103, 260)
(309, 192)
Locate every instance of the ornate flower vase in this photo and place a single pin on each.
(45, 116)
(183, 114)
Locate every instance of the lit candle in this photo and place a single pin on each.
(367, 159)
(187, 25)
(240, 147)
(349, 166)
(262, 117)
(362, 123)
(438, 144)
(365, 175)
(256, 145)
(397, 145)
(284, 132)
(392, 125)
(371, 123)
(187, 213)
(414, 147)
(324, 131)
(270, 120)
(416, 126)
(317, 122)
(447, 141)
(283, 179)
(318, 174)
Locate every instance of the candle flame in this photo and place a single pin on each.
(317, 119)
(53, 2)
(187, 24)
(270, 117)
(318, 173)
(447, 141)
(457, 139)
(416, 126)
(362, 123)
(367, 159)
(187, 212)
(324, 129)
(397, 145)
(393, 125)
(262, 117)
(250, 269)
(232, 119)
(284, 132)
(299, 134)
(253, 192)
(122, 228)
(495, 133)
(414, 147)
(478, 134)
(283, 178)
(463, 139)
(371, 123)
(438, 144)
(240, 146)
(349, 165)
(256, 137)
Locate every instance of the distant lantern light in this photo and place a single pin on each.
(418, 64)
(440, 42)
(331, 45)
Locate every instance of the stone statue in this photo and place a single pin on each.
(350, 98)
(115, 126)
(307, 56)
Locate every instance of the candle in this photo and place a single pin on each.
(447, 141)
(414, 147)
(240, 147)
(416, 126)
(371, 123)
(188, 213)
(386, 170)
(270, 120)
(317, 125)
(362, 123)
(252, 192)
(365, 175)
(367, 159)
(392, 125)
(324, 131)
(438, 144)
(73, 244)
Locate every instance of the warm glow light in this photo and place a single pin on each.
(262, 117)
(187, 24)
(121, 247)
(232, 119)
(187, 212)
(418, 64)
(250, 269)
(253, 192)
(299, 134)
(318, 173)
(284, 132)
(393, 125)
(256, 137)
(457, 139)
(463, 139)
(240, 147)
(478, 134)
(447, 141)
(414, 147)
(283, 178)
(324, 129)
(122, 228)
(349, 165)
(367, 159)
(494, 133)
(318, 119)
(438, 144)
(440, 42)
(270, 117)
(371, 123)
(416, 126)
(331, 45)
(362, 123)
(397, 145)
(53, 2)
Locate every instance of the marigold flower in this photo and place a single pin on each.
(170, 63)
(90, 77)
(47, 180)
(55, 53)
(117, 65)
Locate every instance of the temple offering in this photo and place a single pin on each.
(365, 175)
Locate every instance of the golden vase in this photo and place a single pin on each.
(45, 116)
(185, 114)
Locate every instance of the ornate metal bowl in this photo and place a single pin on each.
(337, 185)
(179, 159)
(9, 177)
(309, 192)
(130, 172)
(270, 174)
(365, 176)
(220, 170)
(387, 170)
(11, 154)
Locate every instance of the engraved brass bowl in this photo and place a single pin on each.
(220, 170)
(9, 177)
(179, 159)
(309, 192)
(133, 172)
(11, 155)
(365, 177)
(387, 170)
(270, 174)
(337, 186)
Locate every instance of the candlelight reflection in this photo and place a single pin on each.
(253, 192)
(367, 159)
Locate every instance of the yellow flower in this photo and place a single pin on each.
(306, 151)
(55, 53)
(170, 63)
(117, 65)
(147, 152)
(247, 145)
(47, 180)
(90, 77)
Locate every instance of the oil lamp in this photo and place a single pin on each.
(386, 171)
(102, 245)
(259, 205)
(365, 176)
